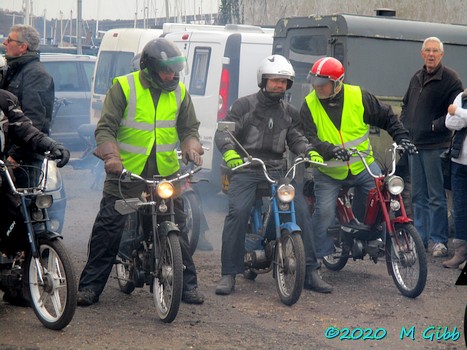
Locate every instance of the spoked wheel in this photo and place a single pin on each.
(338, 259)
(193, 214)
(406, 260)
(289, 267)
(54, 299)
(167, 285)
(125, 275)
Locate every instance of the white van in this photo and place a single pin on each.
(117, 49)
(222, 64)
(222, 67)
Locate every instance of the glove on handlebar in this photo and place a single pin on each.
(408, 146)
(58, 151)
(110, 154)
(315, 157)
(232, 158)
(192, 150)
(341, 153)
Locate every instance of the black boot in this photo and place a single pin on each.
(226, 285)
(314, 282)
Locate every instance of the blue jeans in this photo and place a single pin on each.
(459, 198)
(326, 193)
(428, 196)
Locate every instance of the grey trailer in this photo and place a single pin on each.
(380, 54)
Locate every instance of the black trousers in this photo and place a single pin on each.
(105, 241)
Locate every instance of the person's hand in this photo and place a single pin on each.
(452, 109)
(408, 146)
(315, 157)
(110, 154)
(232, 159)
(192, 150)
(58, 151)
(341, 153)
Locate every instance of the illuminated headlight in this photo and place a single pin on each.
(286, 193)
(395, 185)
(165, 190)
(44, 201)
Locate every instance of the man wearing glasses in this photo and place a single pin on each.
(27, 78)
(431, 90)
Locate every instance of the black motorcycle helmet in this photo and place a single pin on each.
(161, 55)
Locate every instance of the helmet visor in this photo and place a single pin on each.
(173, 64)
(317, 80)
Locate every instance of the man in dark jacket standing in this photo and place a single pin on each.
(27, 79)
(425, 103)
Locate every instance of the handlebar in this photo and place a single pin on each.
(297, 161)
(393, 149)
(157, 179)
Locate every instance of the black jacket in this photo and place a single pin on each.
(264, 127)
(425, 105)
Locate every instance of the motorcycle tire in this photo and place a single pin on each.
(338, 259)
(54, 301)
(193, 214)
(406, 261)
(168, 283)
(289, 267)
(124, 276)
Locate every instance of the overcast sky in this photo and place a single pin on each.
(113, 9)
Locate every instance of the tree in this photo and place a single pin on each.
(229, 12)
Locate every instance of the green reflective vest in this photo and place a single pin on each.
(142, 126)
(352, 133)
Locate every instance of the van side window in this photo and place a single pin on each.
(111, 64)
(199, 74)
(309, 44)
(339, 52)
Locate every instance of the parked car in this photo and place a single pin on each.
(72, 76)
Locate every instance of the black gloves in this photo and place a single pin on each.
(408, 146)
(59, 152)
(341, 153)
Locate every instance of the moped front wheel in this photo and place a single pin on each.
(289, 267)
(168, 283)
(193, 214)
(53, 298)
(406, 260)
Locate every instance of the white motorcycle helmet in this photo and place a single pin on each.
(275, 66)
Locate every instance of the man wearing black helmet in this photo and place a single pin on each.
(150, 96)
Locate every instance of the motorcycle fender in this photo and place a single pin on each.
(402, 220)
(166, 227)
(50, 235)
(291, 227)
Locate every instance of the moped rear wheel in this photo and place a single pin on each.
(168, 283)
(406, 260)
(54, 299)
(289, 267)
(193, 214)
(124, 275)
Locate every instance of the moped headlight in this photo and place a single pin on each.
(165, 190)
(44, 201)
(395, 185)
(286, 193)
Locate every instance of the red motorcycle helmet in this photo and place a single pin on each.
(327, 69)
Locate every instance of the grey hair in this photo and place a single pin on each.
(435, 39)
(27, 34)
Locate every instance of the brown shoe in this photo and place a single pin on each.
(460, 254)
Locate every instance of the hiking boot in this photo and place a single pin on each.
(87, 297)
(226, 285)
(460, 254)
(193, 296)
(461, 266)
(204, 244)
(439, 250)
(314, 282)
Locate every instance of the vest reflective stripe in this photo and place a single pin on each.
(142, 127)
(353, 132)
